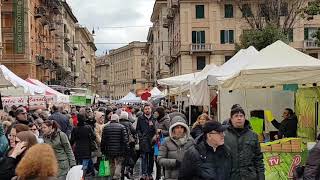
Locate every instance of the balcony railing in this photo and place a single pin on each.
(199, 47)
(311, 44)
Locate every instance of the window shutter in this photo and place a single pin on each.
(231, 36)
(194, 37)
(203, 37)
(306, 33)
(222, 39)
(199, 11)
(228, 11)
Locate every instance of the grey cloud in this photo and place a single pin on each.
(101, 14)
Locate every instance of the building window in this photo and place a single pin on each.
(227, 36)
(8, 47)
(290, 35)
(246, 10)
(201, 62)
(228, 11)
(199, 11)
(315, 55)
(310, 33)
(227, 58)
(284, 9)
(263, 10)
(198, 37)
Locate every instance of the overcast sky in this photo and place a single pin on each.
(105, 16)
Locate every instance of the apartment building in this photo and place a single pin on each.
(103, 72)
(85, 59)
(28, 35)
(128, 69)
(205, 32)
(157, 47)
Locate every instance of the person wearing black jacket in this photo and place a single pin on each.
(62, 120)
(83, 138)
(209, 159)
(146, 131)
(245, 148)
(22, 116)
(288, 127)
(114, 145)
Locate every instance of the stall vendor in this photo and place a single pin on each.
(288, 127)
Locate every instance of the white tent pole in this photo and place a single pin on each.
(218, 104)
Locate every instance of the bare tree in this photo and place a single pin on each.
(272, 12)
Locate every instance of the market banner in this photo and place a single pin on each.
(19, 37)
(10, 101)
(37, 100)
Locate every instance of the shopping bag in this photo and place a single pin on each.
(104, 168)
(157, 145)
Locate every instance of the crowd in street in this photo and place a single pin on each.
(47, 144)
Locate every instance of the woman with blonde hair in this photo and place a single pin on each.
(197, 126)
(43, 168)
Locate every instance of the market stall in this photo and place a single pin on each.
(286, 74)
(130, 98)
(59, 97)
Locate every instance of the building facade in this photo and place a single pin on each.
(128, 70)
(103, 72)
(205, 32)
(28, 34)
(157, 47)
(85, 59)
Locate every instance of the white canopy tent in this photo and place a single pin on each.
(156, 93)
(130, 98)
(227, 70)
(178, 81)
(276, 64)
(61, 98)
(13, 85)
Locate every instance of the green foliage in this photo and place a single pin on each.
(261, 38)
(313, 8)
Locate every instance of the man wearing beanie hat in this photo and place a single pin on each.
(245, 148)
(114, 145)
(174, 147)
(209, 159)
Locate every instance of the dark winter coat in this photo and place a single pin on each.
(312, 167)
(8, 166)
(4, 144)
(246, 153)
(201, 162)
(83, 138)
(196, 131)
(130, 129)
(163, 124)
(114, 141)
(146, 131)
(287, 128)
(63, 122)
(172, 150)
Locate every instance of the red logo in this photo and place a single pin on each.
(274, 160)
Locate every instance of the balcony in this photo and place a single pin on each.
(311, 44)
(67, 37)
(201, 48)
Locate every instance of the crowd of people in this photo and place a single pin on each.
(46, 145)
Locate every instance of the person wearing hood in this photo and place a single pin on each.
(174, 147)
(209, 158)
(245, 148)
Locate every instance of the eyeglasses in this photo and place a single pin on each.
(219, 133)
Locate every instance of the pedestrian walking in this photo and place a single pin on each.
(43, 168)
(174, 147)
(245, 148)
(61, 146)
(83, 139)
(210, 158)
(114, 145)
(62, 120)
(146, 131)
